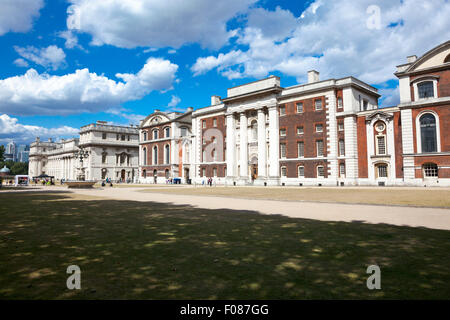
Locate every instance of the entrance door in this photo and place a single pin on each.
(122, 175)
(254, 169)
(186, 174)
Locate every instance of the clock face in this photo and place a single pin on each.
(380, 127)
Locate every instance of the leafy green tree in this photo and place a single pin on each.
(2, 152)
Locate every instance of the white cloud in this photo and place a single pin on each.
(50, 57)
(174, 101)
(71, 40)
(82, 91)
(155, 23)
(11, 129)
(333, 38)
(21, 63)
(18, 15)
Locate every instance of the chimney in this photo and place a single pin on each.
(190, 109)
(313, 76)
(412, 59)
(215, 100)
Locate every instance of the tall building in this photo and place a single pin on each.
(323, 132)
(11, 148)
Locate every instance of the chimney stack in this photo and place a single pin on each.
(313, 76)
(215, 100)
(412, 59)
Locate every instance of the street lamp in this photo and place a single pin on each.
(81, 154)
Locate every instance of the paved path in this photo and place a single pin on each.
(433, 218)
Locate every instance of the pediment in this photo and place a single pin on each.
(434, 58)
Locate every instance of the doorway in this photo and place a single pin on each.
(122, 175)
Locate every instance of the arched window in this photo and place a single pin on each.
(155, 134)
(145, 135)
(447, 59)
(167, 132)
(167, 154)
(155, 155)
(144, 156)
(144, 173)
(425, 89)
(254, 129)
(428, 134)
(430, 170)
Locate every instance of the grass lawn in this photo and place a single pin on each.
(421, 197)
(144, 250)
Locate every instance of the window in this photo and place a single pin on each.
(282, 110)
(117, 137)
(319, 148)
(447, 60)
(301, 171)
(320, 172)
(128, 138)
(214, 122)
(215, 172)
(283, 172)
(183, 131)
(283, 150)
(167, 174)
(340, 103)
(342, 169)
(382, 170)
(425, 89)
(300, 107)
(203, 172)
(283, 132)
(155, 134)
(225, 172)
(319, 128)
(254, 130)
(122, 137)
(341, 147)
(167, 132)
(381, 145)
(204, 156)
(365, 105)
(428, 133)
(145, 135)
(144, 156)
(104, 155)
(167, 154)
(214, 155)
(103, 136)
(301, 149)
(155, 155)
(204, 124)
(341, 126)
(430, 170)
(318, 105)
(299, 130)
(144, 173)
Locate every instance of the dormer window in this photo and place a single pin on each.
(425, 89)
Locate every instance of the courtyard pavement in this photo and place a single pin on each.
(434, 218)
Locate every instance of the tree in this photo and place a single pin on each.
(2, 152)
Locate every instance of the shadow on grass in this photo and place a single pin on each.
(147, 250)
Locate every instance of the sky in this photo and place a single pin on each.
(68, 63)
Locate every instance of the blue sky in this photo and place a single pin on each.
(67, 63)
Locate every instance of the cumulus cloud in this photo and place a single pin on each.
(155, 23)
(71, 40)
(50, 57)
(11, 129)
(18, 15)
(333, 37)
(81, 91)
(21, 63)
(174, 101)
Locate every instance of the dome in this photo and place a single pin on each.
(5, 170)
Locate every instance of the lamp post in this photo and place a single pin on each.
(81, 154)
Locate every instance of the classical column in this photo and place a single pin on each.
(244, 146)
(262, 153)
(274, 143)
(231, 145)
